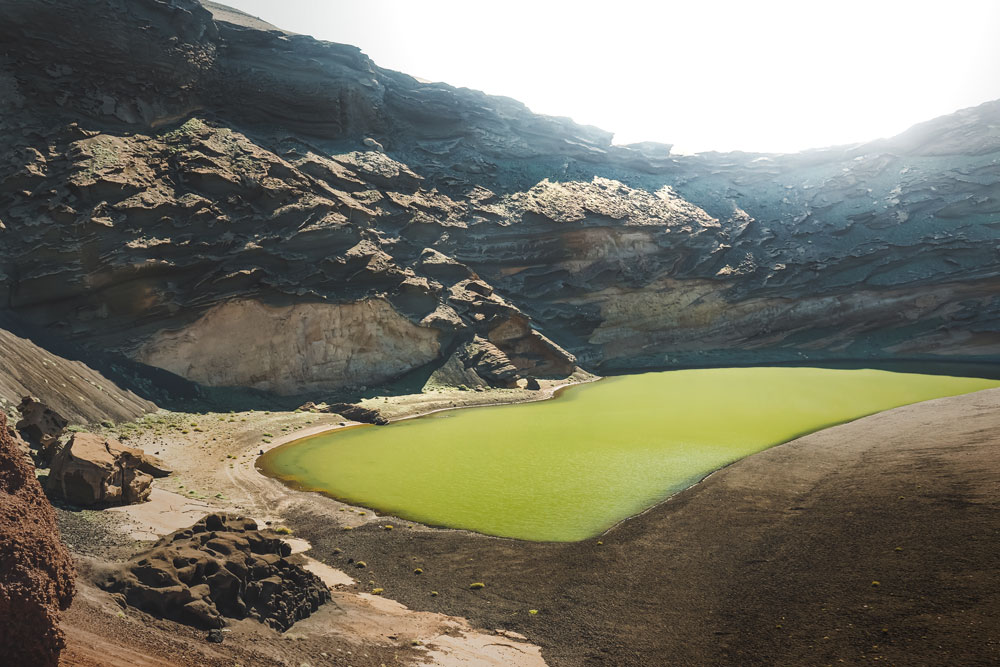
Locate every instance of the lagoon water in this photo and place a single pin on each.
(569, 468)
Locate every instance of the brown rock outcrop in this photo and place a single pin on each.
(221, 567)
(349, 410)
(94, 471)
(41, 426)
(36, 572)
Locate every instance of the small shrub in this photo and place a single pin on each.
(388, 527)
(348, 527)
(434, 594)
(378, 591)
(476, 586)
(418, 571)
(283, 530)
(532, 611)
(361, 565)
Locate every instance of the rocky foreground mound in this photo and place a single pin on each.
(36, 572)
(221, 567)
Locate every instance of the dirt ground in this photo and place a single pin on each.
(212, 456)
(874, 542)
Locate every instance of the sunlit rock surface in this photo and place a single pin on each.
(200, 182)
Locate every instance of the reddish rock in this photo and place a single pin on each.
(93, 470)
(36, 572)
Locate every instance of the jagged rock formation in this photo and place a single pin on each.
(41, 426)
(94, 471)
(36, 571)
(200, 174)
(221, 567)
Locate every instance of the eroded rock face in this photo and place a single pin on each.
(220, 568)
(41, 426)
(95, 471)
(165, 203)
(36, 571)
(294, 349)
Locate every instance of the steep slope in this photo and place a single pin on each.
(243, 206)
(36, 572)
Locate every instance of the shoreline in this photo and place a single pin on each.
(773, 554)
(771, 541)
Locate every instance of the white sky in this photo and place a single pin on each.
(753, 75)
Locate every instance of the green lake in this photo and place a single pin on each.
(569, 468)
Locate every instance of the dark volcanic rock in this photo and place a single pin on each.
(357, 412)
(92, 470)
(221, 567)
(222, 215)
(36, 571)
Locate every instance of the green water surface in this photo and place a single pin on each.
(569, 468)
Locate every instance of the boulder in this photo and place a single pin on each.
(221, 567)
(41, 426)
(352, 411)
(36, 571)
(92, 471)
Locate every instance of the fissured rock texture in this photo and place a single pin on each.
(40, 425)
(204, 180)
(36, 571)
(92, 470)
(221, 567)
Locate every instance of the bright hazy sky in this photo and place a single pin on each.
(751, 75)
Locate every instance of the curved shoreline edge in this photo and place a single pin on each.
(291, 482)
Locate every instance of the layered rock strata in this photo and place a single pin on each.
(207, 180)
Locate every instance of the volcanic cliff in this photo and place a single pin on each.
(187, 189)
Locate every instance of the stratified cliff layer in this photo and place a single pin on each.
(243, 206)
